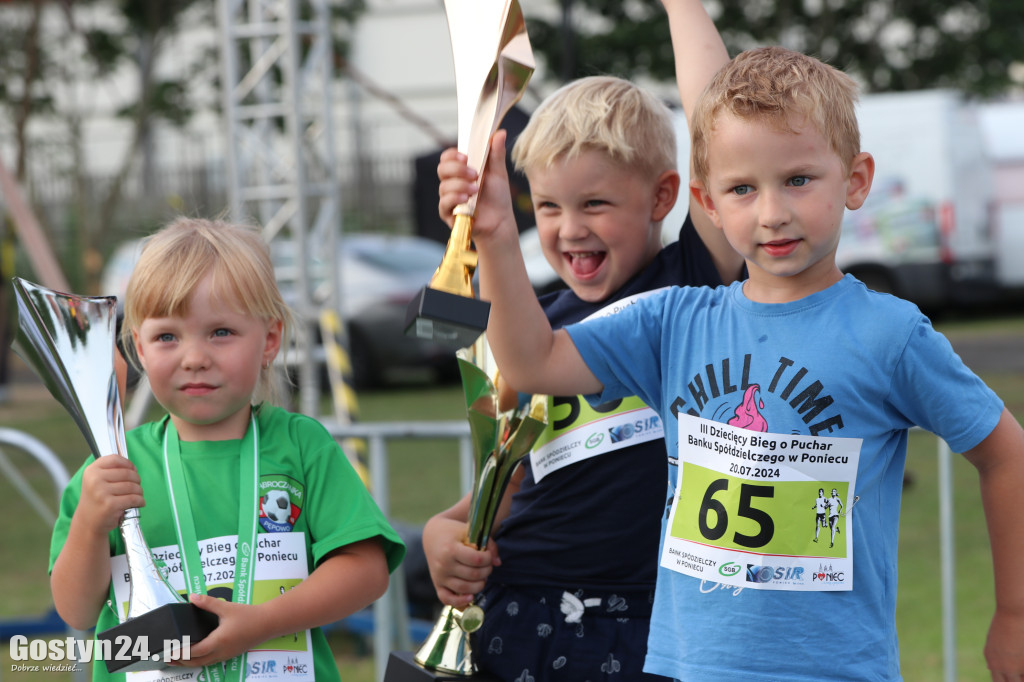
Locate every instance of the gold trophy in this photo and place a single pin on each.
(69, 342)
(501, 437)
(493, 63)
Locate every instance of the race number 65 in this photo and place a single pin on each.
(713, 517)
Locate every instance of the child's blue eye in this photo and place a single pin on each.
(742, 189)
(222, 332)
(165, 338)
(800, 181)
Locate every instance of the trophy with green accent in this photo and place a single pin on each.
(501, 437)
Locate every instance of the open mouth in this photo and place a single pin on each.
(584, 263)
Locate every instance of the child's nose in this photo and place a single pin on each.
(195, 356)
(773, 212)
(573, 226)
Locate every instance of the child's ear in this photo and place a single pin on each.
(138, 349)
(862, 171)
(275, 331)
(666, 191)
(703, 198)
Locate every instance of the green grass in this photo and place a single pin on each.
(919, 607)
(424, 479)
(423, 473)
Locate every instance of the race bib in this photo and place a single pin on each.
(747, 509)
(280, 566)
(576, 431)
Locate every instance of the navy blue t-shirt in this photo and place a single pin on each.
(595, 524)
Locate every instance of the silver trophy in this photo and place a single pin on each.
(69, 342)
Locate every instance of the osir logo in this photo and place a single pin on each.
(765, 574)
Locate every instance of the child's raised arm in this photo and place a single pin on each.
(697, 46)
(699, 54)
(529, 355)
(1000, 463)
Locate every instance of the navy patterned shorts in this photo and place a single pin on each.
(541, 634)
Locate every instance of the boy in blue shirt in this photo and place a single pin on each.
(796, 379)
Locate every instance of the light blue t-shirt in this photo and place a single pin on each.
(845, 362)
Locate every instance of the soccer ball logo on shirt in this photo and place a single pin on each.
(279, 504)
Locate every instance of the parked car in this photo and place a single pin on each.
(379, 275)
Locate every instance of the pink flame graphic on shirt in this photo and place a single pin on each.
(747, 416)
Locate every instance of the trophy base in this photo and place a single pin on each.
(448, 319)
(402, 667)
(139, 643)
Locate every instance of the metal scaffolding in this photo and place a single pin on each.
(282, 171)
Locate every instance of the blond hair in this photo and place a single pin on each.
(175, 260)
(783, 89)
(603, 113)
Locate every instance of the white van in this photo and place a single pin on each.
(1003, 126)
(925, 232)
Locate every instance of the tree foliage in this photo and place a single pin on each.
(889, 45)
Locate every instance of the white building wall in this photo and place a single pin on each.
(404, 47)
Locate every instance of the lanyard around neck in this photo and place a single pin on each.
(184, 525)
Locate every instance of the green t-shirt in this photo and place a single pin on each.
(307, 487)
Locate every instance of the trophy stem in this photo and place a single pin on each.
(148, 587)
(484, 505)
(455, 273)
